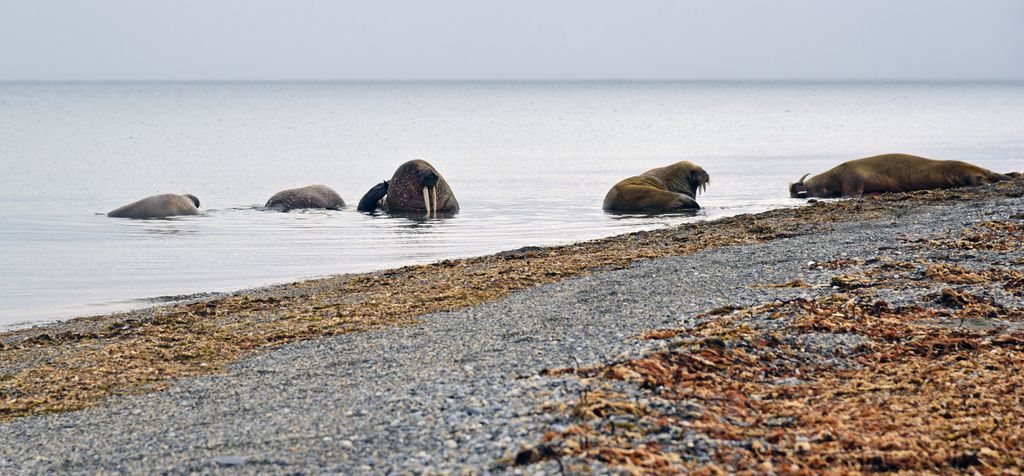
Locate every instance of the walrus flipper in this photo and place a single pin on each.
(687, 203)
(371, 201)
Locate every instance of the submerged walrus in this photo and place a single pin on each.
(312, 196)
(666, 189)
(416, 187)
(159, 206)
(891, 173)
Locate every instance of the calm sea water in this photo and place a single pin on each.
(529, 163)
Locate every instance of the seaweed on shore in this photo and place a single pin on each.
(846, 382)
(73, 365)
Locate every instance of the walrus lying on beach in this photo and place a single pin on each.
(159, 206)
(891, 173)
(416, 187)
(312, 196)
(665, 189)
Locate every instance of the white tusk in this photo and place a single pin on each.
(426, 200)
(433, 196)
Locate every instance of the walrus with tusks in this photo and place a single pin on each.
(891, 173)
(416, 187)
(666, 189)
(159, 206)
(312, 196)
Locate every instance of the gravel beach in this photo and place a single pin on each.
(461, 391)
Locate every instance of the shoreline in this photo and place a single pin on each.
(45, 314)
(553, 374)
(77, 363)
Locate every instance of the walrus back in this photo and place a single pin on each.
(963, 174)
(156, 206)
(312, 196)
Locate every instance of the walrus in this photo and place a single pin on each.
(666, 189)
(891, 173)
(312, 196)
(159, 206)
(416, 187)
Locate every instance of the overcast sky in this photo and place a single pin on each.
(521, 39)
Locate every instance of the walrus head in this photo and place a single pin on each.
(195, 201)
(682, 177)
(418, 187)
(798, 189)
(699, 180)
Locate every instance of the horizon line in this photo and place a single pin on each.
(528, 80)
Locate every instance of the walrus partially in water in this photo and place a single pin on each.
(415, 188)
(312, 196)
(891, 173)
(159, 206)
(666, 189)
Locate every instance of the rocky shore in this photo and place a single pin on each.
(876, 334)
(902, 354)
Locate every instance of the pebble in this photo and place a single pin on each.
(230, 460)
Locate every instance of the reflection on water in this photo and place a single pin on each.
(416, 223)
(652, 216)
(529, 162)
(165, 226)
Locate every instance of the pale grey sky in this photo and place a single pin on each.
(522, 39)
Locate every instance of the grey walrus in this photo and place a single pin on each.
(416, 187)
(159, 206)
(313, 196)
(891, 173)
(662, 190)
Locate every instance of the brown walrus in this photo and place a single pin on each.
(891, 173)
(312, 196)
(416, 187)
(662, 190)
(159, 206)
